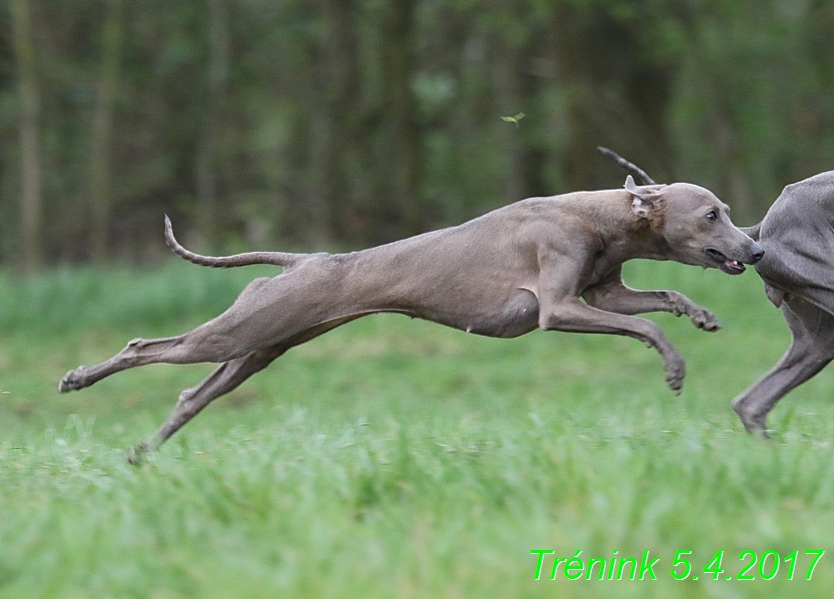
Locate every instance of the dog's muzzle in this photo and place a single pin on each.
(735, 267)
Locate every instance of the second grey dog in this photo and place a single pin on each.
(524, 266)
(798, 272)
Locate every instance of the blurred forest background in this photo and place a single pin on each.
(343, 123)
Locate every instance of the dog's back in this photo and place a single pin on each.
(797, 235)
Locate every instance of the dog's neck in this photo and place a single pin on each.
(626, 236)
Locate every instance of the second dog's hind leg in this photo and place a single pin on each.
(812, 348)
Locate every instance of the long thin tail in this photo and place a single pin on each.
(752, 232)
(277, 258)
(630, 167)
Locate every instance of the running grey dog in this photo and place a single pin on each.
(504, 274)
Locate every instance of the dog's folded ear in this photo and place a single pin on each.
(647, 198)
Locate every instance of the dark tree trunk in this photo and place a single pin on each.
(31, 209)
(100, 147)
(401, 113)
(337, 133)
(209, 164)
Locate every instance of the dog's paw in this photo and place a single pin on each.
(704, 319)
(754, 422)
(72, 381)
(136, 454)
(675, 371)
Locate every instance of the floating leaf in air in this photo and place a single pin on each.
(513, 119)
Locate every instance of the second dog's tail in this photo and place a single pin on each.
(284, 259)
(752, 232)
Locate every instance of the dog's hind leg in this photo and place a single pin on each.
(214, 341)
(137, 353)
(812, 348)
(191, 401)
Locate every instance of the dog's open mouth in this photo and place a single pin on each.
(731, 267)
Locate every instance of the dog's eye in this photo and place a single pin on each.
(712, 216)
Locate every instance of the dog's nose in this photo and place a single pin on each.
(756, 252)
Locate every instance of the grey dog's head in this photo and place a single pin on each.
(696, 225)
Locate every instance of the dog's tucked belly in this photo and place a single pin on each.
(511, 317)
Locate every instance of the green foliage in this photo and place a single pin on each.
(292, 123)
(73, 299)
(396, 458)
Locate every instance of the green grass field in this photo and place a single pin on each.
(396, 458)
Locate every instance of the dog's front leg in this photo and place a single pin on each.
(575, 317)
(615, 296)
